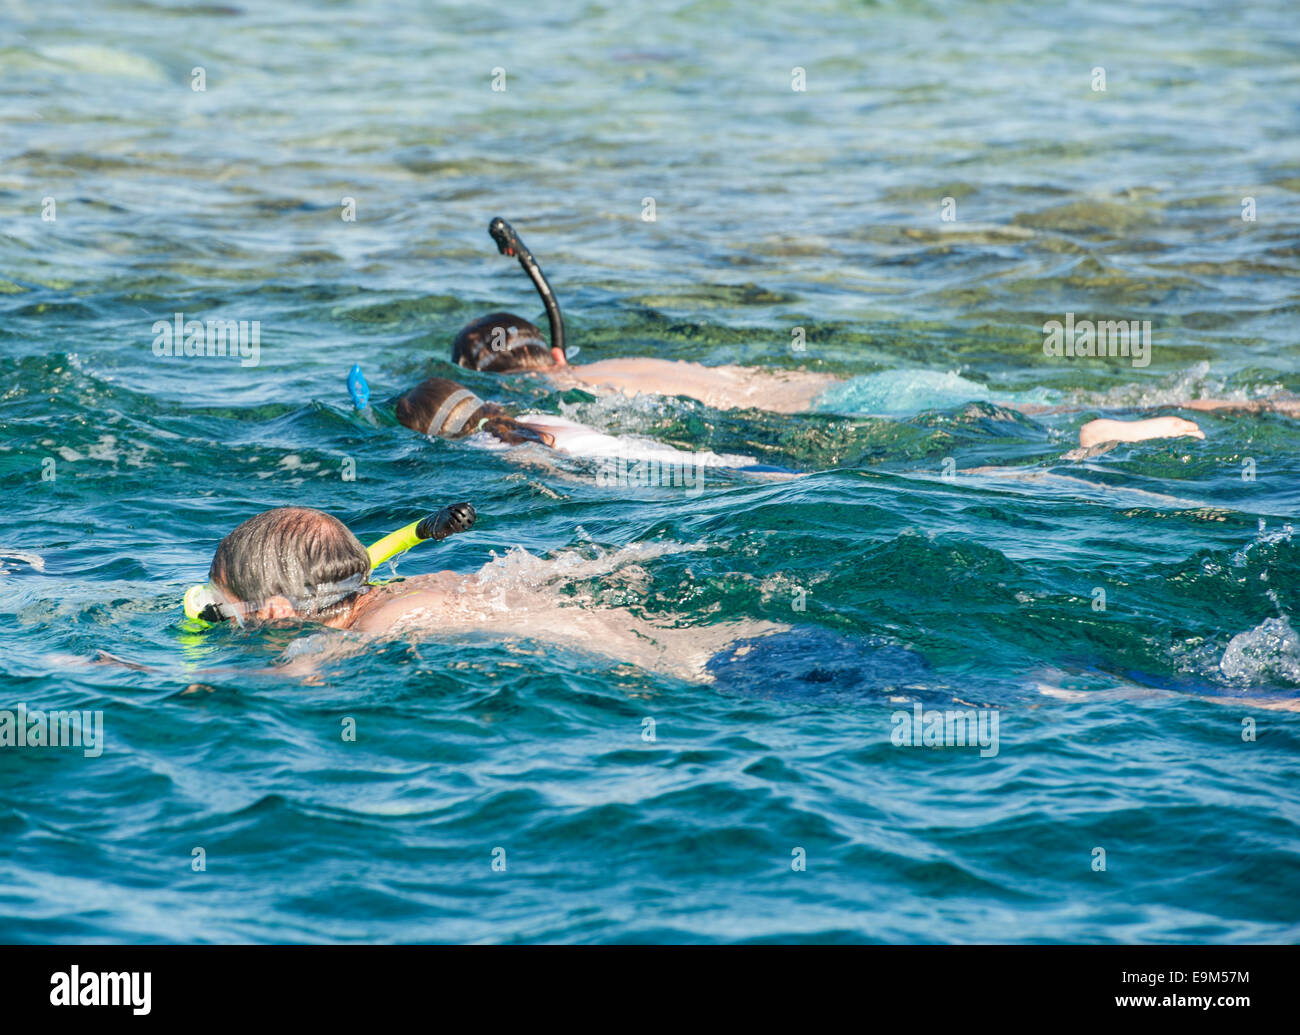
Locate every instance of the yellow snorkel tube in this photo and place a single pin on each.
(459, 517)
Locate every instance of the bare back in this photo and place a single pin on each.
(448, 604)
(724, 387)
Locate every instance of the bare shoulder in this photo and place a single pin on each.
(725, 387)
(634, 365)
(391, 603)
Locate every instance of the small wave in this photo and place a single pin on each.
(33, 560)
(92, 59)
(1195, 382)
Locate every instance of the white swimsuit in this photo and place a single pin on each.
(579, 440)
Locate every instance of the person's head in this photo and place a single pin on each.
(291, 562)
(503, 343)
(443, 409)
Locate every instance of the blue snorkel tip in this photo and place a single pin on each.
(357, 388)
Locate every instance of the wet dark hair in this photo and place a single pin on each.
(501, 343)
(443, 408)
(293, 552)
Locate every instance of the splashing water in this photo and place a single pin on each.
(1264, 655)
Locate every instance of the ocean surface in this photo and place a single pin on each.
(1125, 617)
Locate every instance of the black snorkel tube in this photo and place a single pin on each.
(508, 243)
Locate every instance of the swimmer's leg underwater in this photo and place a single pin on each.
(813, 663)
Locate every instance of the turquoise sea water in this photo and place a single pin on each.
(945, 551)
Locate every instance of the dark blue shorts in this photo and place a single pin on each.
(811, 662)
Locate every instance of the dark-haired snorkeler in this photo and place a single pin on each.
(505, 343)
(441, 408)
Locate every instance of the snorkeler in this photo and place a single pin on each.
(505, 343)
(296, 562)
(300, 564)
(441, 408)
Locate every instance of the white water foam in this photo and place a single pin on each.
(1270, 652)
(33, 560)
